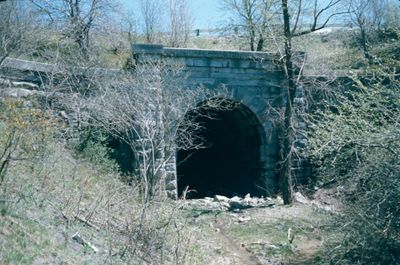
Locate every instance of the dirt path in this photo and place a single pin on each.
(239, 255)
(258, 236)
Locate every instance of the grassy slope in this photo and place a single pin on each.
(47, 199)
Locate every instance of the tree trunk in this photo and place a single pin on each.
(252, 39)
(3, 58)
(260, 43)
(288, 126)
(364, 44)
(82, 42)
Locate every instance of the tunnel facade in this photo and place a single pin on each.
(242, 144)
(229, 160)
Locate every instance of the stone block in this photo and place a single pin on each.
(148, 48)
(172, 194)
(171, 185)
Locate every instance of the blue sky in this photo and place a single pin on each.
(206, 13)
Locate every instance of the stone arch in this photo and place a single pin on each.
(231, 162)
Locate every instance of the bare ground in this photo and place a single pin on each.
(259, 235)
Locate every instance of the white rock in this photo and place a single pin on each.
(224, 205)
(78, 238)
(235, 199)
(279, 200)
(24, 85)
(298, 197)
(244, 219)
(19, 92)
(220, 198)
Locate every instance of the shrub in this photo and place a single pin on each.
(92, 146)
(24, 132)
(358, 146)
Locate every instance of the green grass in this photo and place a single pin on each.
(23, 240)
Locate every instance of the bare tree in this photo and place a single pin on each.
(289, 125)
(78, 18)
(298, 18)
(251, 16)
(369, 17)
(153, 16)
(180, 22)
(146, 110)
(359, 13)
(318, 12)
(392, 16)
(16, 26)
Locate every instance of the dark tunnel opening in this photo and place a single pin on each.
(230, 163)
(122, 154)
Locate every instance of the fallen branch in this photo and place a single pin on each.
(78, 238)
(81, 219)
(87, 222)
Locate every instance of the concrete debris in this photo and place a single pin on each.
(26, 85)
(279, 200)
(298, 197)
(238, 205)
(220, 198)
(18, 84)
(235, 204)
(19, 92)
(79, 239)
(318, 206)
(322, 208)
(290, 235)
(64, 115)
(224, 205)
(244, 219)
(262, 244)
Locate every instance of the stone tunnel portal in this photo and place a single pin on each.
(230, 161)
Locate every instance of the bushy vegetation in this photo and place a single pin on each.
(93, 146)
(25, 132)
(355, 145)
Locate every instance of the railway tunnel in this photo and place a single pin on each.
(230, 160)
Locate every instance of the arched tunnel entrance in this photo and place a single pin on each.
(230, 162)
